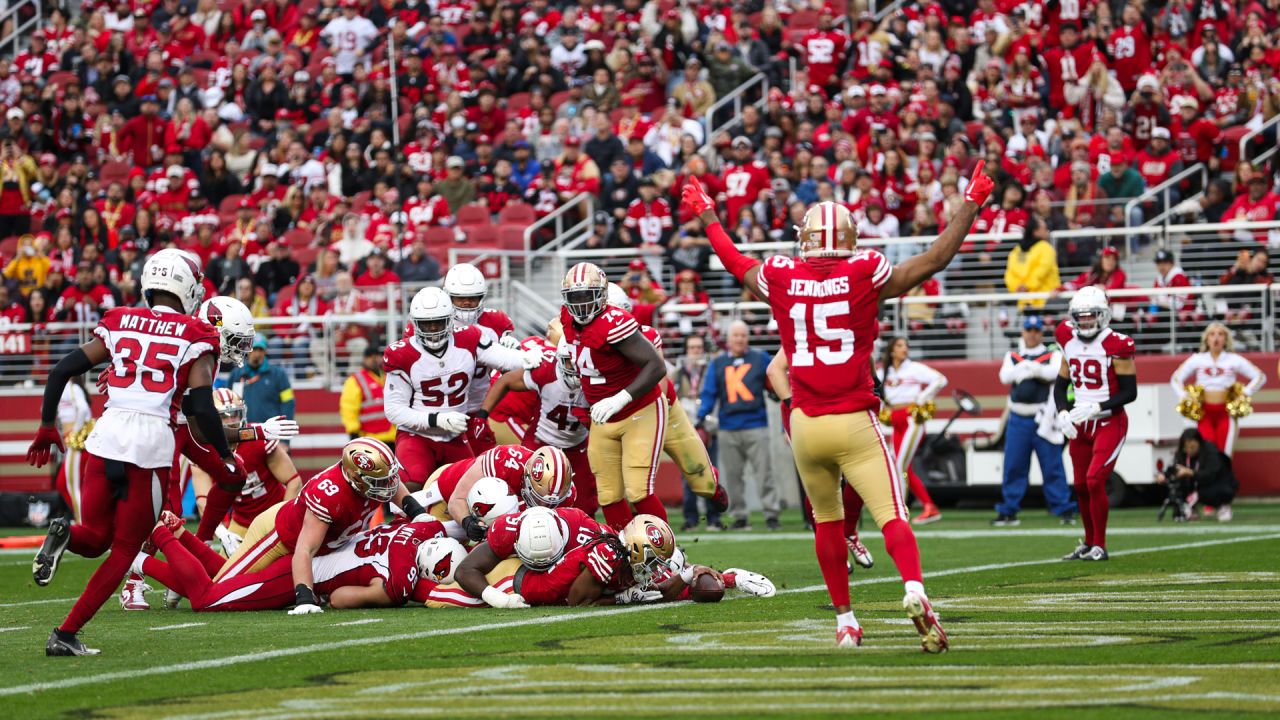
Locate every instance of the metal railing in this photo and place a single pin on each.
(14, 42)
(567, 223)
(1249, 136)
(1162, 191)
(736, 99)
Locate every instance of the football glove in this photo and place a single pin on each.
(509, 341)
(695, 197)
(102, 378)
(503, 601)
(748, 582)
(454, 422)
(46, 437)
(474, 528)
(279, 428)
(230, 541)
(305, 602)
(979, 187)
(636, 595)
(1067, 427)
(608, 407)
(530, 359)
(1084, 411)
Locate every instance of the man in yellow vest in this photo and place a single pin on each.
(361, 402)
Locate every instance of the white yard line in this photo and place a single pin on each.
(14, 629)
(179, 626)
(365, 621)
(1180, 530)
(38, 602)
(231, 660)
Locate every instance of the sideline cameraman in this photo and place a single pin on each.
(1200, 472)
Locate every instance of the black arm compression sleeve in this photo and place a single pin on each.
(74, 363)
(1060, 393)
(411, 507)
(1128, 392)
(206, 417)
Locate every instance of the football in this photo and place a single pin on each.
(706, 588)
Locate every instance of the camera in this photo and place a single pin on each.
(1175, 500)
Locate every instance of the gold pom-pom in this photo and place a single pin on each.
(886, 415)
(1191, 407)
(1238, 403)
(923, 413)
(75, 440)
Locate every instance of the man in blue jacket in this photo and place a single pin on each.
(265, 387)
(735, 383)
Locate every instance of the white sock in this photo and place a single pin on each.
(137, 563)
(915, 586)
(846, 620)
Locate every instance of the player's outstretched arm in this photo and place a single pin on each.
(512, 381)
(309, 540)
(470, 574)
(695, 198)
(78, 361)
(779, 376)
(918, 268)
(360, 596)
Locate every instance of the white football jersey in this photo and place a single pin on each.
(558, 426)
(425, 383)
(1091, 365)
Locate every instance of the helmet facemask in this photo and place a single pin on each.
(468, 314)
(584, 305)
(235, 346)
(433, 333)
(568, 368)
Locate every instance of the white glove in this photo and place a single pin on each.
(678, 560)
(751, 583)
(502, 601)
(1067, 427)
(279, 428)
(636, 595)
(1022, 371)
(608, 407)
(711, 423)
(1084, 411)
(454, 422)
(530, 359)
(509, 341)
(306, 610)
(230, 541)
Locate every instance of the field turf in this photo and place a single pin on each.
(1183, 620)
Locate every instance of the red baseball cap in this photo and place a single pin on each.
(572, 141)
(636, 264)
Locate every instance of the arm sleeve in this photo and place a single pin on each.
(734, 261)
(710, 391)
(1060, 393)
(72, 364)
(1126, 393)
(1210, 468)
(1006, 369)
(397, 399)
(349, 405)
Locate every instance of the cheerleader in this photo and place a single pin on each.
(1211, 386)
(75, 418)
(909, 389)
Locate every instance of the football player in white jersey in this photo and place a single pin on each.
(427, 379)
(1098, 364)
(466, 287)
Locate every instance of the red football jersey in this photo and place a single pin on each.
(605, 371)
(1156, 169)
(1130, 50)
(83, 306)
(650, 220)
(1196, 141)
(742, 186)
(505, 462)
(1066, 66)
(551, 587)
(1091, 364)
(824, 52)
(389, 552)
(826, 313)
(332, 499)
(261, 489)
(506, 530)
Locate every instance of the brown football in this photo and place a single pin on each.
(706, 588)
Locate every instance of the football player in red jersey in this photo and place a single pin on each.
(825, 304)
(379, 567)
(620, 372)
(428, 375)
(155, 354)
(466, 287)
(516, 412)
(824, 49)
(1099, 365)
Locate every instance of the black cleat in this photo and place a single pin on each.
(46, 562)
(1096, 553)
(63, 644)
(772, 524)
(1078, 553)
(1067, 518)
(1003, 520)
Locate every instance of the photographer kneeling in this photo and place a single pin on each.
(1200, 473)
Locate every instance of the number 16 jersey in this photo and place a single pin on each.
(826, 310)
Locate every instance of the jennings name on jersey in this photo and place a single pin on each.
(1091, 365)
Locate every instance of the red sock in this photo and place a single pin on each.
(852, 510)
(185, 569)
(133, 517)
(900, 542)
(617, 515)
(1084, 501)
(917, 488)
(1099, 509)
(828, 542)
(208, 557)
(216, 505)
(651, 505)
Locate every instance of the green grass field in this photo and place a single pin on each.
(1183, 619)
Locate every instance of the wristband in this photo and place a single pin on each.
(431, 420)
(304, 595)
(493, 596)
(686, 575)
(481, 413)
(252, 433)
(411, 507)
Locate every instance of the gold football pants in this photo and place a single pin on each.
(852, 445)
(624, 453)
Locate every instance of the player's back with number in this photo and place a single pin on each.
(152, 352)
(1091, 365)
(827, 318)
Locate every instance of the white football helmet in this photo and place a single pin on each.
(1090, 312)
(230, 407)
(235, 326)
(619, 298)
(548, 478)
(568, 368)
(438, 558)
(175, 272)
(542, 538)
(584, 291)
(430, 313)
(827, 230)
(461, 282)
(490, 499)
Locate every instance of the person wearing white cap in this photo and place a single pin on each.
(1158, 162)
(1146, 111)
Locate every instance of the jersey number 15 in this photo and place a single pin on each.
(833, 345)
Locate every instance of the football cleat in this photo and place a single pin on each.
(933, 639)
(132, 595)
(171, 599)
(848, 637)
(930, 514)
(719, 502)
(229, 540)
(748, 582)
(1003, 520)
(55, 543)
(62, 644)
(1096, 553)
(1224, 513)
(861, 555)
(1078, 553)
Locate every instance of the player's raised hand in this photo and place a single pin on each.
(695, 197)
(980, 186)
(279, 428)
(509, 341)
(46, 437)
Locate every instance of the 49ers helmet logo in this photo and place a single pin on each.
(362, 461)
(655, 536)
(537, 467)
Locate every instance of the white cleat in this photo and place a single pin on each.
(933, 639)
(848, 637)
(133, 594)
(861, 555)
(171, 599)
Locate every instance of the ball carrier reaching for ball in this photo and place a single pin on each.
(825, 304)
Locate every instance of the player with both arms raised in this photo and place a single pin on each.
(826, 304)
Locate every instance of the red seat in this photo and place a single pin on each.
(511, 237)
(473, 215)
(360, 200)
(298, 238)
(482, 236)
(304, 257)
(557, 98)
(517, 101)
(8, 247)
(229, 204)
(1231, 141)
(517, 213)
(803, 20)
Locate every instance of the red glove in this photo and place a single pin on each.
(233, 475)
(46, 436)
(102, 379)
(694, 197)
(980, 186)
(481, 431)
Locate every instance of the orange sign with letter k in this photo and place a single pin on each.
(733, 385)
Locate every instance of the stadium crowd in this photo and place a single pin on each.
(278, 142)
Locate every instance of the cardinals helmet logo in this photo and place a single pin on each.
(214, 313)
(443, 568)
(481, 509)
